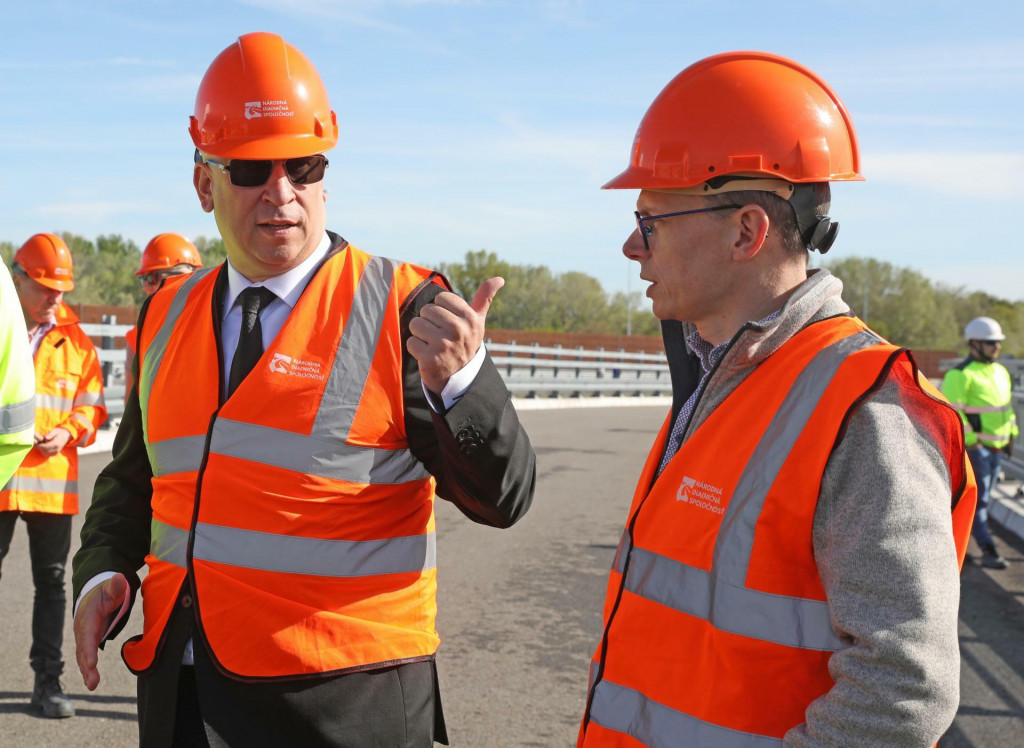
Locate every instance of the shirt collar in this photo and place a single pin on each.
(288, 286)
(709, 354)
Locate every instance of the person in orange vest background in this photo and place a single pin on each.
(296, 411)
(165, 256)
(44, 489)
(789, 570)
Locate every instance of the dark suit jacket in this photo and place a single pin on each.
(482, 461)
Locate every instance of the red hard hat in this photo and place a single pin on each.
(261, 98)
(46, 259)
(749, 113)
(164, 251)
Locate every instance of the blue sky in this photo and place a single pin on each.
(492, 124)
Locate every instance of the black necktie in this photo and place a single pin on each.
(250, 334)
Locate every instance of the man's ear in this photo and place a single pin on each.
(750, 224)
(204, 186)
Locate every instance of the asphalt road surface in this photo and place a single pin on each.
(519, 610)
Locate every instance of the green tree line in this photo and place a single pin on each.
(901, 304)
(908, 309)
(105, 268)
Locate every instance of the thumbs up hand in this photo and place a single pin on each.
(447, 333)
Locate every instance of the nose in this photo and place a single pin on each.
(279, 189)
(634, 247)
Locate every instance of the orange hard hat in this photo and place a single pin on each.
(742, 113)
(261, 98)
(46, 259)
(164, 251)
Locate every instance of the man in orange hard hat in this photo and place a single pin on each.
(165, 256)
(788, 574)
(285, 513)
(43, 491)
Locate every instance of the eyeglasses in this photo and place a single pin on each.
(155, 277)
(255, 172)
(647, 231)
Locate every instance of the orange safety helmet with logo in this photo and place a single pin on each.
(46, 259)
(740, 586)
(166, 251)
(765, 123)
(261, 98)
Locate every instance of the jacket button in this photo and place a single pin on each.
(186, 601)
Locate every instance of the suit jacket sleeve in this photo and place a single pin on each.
(115, 534)
(477, 451)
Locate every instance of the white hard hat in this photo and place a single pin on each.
(983, 328)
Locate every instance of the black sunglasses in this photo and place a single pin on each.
(255, 172)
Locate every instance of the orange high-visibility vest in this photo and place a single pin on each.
(69, 394)
(717, 628)
(295, 509)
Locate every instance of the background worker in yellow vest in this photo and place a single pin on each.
(44, 489)
(17, 381)
(789, 570)
(982, 391)
(294, 413)
(166, 256)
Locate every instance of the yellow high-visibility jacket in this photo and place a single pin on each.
(17, 381)
(982, 393)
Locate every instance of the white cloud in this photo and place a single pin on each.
(950, 173)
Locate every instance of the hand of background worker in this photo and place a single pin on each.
(53, 441)
(1008, 449)
(448, 333)
(91, 623)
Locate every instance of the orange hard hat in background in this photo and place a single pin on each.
(165, 251)
(743, 113)
(46, 259)
(261, 98)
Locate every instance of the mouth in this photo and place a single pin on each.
(277, 227)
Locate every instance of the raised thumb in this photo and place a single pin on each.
(485, 295)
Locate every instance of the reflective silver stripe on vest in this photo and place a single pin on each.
(89, 398)
(179, 455)
(356, 349)
(736, 537)
(84, 422)
(307, 454)
(17, 417)
(42, 485)
(972, 409)
(54, 402)
(289, 554)
(658, 726)
(791, 621)
(156, 350)
(168, 543)
(720, 596)
(993, 437)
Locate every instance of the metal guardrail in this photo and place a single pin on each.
(528, 370)
(535, 371)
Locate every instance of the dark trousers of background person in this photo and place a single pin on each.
(49, 541)
(986, 463)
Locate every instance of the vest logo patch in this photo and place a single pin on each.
(701, 495)
(295, 367)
